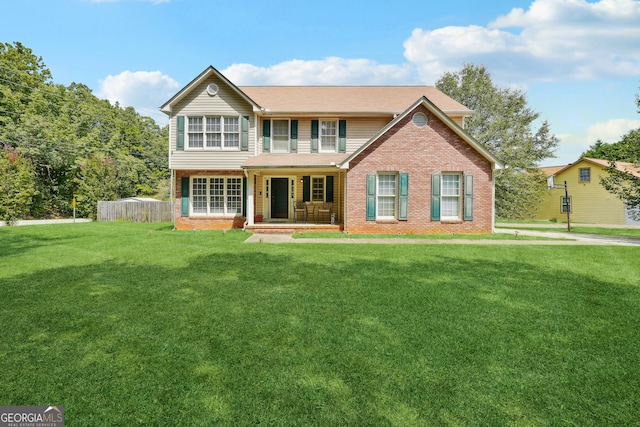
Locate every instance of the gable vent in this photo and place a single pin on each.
(419, 119)
(212, 89)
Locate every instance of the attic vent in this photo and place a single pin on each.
(420, 120)
(212, 89)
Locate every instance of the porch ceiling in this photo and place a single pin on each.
(295, 160)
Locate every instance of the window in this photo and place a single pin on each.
(280, 136)
(585, 174)
(386, 196)
(328, 135)
(317, 188)
(450, 204)
(213, 132)
(216, 196)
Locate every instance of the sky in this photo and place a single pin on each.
(576, 61)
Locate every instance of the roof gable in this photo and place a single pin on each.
(602, 163)
(496, 164)
(208, 72)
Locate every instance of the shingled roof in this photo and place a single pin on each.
(349, 99)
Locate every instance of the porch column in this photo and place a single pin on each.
(250, 199)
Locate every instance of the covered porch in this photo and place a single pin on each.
(295, 192)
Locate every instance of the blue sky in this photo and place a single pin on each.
(577, 61)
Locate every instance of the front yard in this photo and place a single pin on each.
(135, 324)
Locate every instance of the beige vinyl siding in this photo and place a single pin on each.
(359, 131)
(199, 103)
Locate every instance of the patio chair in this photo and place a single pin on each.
(325, 209)
(299, 208)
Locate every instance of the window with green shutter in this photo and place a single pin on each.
(403, 200)
(266, 135)
(294, 136)
(180, 133)
(244, 137)
(435, 197)
(371, 197)
(184, 196)
(468, 197)
(314, 136)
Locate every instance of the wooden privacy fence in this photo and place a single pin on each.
(135, 211)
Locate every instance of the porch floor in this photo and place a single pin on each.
(290, 226)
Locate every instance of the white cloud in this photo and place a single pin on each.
(612, 130)
(143, 90)
(556, 39)
(327, 71)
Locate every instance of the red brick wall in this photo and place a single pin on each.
(420, 152)
(200, 222)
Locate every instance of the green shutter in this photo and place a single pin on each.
(266, 136)
(371, 197)
(244, 197)
(314, 136)
(403, 205)
(185, 196)
(306, 188)
(435, 197)
(342, 136)
(244, 137)
(329, 188)
(468, 197)
(294, 136)
(180, 133)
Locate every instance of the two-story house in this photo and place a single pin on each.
(366, 159)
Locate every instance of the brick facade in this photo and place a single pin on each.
(420, 152)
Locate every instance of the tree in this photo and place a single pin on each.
(62, 130)
(16, 185)
(504, 124)
(623, 184)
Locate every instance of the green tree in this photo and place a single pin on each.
(625, 185)
(16, 186)
(62, 129)
(505, 125)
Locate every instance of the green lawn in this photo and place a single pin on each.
(135, 324)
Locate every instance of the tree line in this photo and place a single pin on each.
(62, 142)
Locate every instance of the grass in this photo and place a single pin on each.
(135, 324)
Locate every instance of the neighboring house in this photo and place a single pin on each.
(380, 159)
(589, 202)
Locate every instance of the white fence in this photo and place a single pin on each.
(135, 211)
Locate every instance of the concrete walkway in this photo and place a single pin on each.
(567, 239)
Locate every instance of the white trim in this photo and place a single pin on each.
(337, 135)
(271, 142)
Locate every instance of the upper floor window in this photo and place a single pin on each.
(280, 135)
(585, 174)
(328, 135)
(213, 132)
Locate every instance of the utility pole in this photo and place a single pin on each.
(566, 197)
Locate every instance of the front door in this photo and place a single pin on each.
(279, 198)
